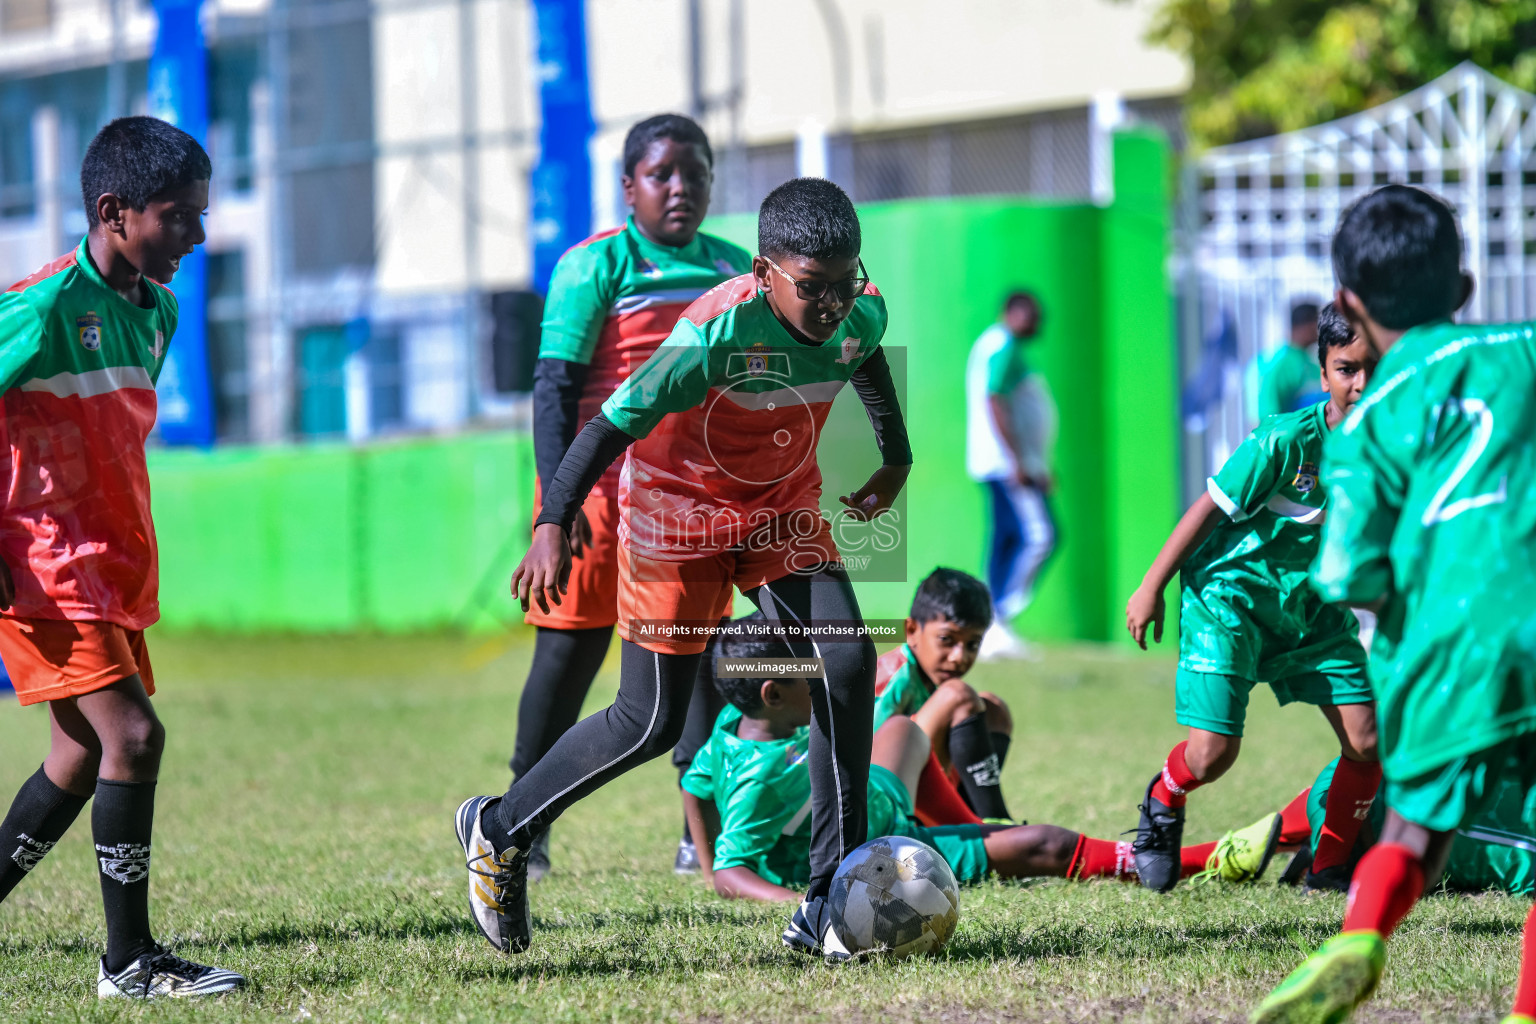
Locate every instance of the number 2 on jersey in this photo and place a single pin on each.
(1437, 511)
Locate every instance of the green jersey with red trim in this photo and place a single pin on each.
(900, 686)
(78, 365)
(728, 412)
(616, 296)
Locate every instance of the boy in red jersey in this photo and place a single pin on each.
(721, 489)
(613, 299)
(82, 342)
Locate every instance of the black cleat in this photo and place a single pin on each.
(162, 974)
(1159, 835)
(687, 860)
(1330, 879)
(1296, 870)
(498, 883)
(810, 931)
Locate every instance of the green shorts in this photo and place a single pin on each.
(963, 846)
(1483, 858)
(1451, 796)
(1219, 703)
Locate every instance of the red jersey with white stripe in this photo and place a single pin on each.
(616, 296)
(78, 365)
(729, 411)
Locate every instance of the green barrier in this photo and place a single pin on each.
(424, 534)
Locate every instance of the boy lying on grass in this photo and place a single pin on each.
(748, 799)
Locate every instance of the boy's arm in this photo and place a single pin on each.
(872, 381)
(703, 826)
(743, 883)
(1146, 606)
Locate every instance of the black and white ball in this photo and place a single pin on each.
(894, 895)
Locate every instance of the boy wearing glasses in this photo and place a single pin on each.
(720, 488)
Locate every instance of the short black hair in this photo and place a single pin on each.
(138, 158)
(1333, 331)
(1303, 313)
(808, 217)
(953, 595)
(1399, 250)
(734, 640)
(676, 127)
(1021, 298)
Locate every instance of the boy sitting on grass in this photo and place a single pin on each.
(748, 799)
(968, 732)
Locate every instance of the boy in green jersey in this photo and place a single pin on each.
(1434, 527)
(1247, 615)
(82, 343)
(720, 490)
(748, 792)
(923, 679)
(612, 301)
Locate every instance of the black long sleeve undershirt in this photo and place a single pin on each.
(557, 385)
(585, 462)
(872, 381)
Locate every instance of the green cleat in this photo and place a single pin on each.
(1329, 984)
(1243, 855)
(1518, 1018)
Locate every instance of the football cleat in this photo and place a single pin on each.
(498, 884)
(538, 858)
(687, 860)
(1243, 855)
(1334, 878)
(1297, 869)
(1158, 837)
(161, 973)
(810, 931)
(1518, 1018)
(1329, 984)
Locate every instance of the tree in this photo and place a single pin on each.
(1267, 66)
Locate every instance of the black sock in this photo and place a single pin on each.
(970, 749)
(1001, 741)
(120, 824)
(38, 818)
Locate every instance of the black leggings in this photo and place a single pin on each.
(652, 706)
(565, 661)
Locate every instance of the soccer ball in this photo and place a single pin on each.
(894, 895)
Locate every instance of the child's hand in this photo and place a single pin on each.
(7, 587)
(581, 534)
(877, 496)
(545, 569)
(1145, 606)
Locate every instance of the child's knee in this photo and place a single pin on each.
(962, 700)
(1208, 755)
(999, 718)
(138, 739)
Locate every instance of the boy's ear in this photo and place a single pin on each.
(769, 694)
(760, 272)
(627, 184)
(109, 211)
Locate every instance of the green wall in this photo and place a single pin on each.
(424, 534)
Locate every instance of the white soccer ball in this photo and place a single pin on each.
(894, 895)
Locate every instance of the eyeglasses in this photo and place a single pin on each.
(811, 291)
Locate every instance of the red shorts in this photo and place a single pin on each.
(591, 598)
(692, 596)
(51, 659)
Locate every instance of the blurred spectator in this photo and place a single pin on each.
(1288, 377)
(1011, 425)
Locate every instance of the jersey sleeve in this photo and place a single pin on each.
(751, 824)
(21, 338)
(900, 697)
(1250, 477)
(674, 378)
(699, 779)
(580, 294)
(1002, 376)
(1365, 471)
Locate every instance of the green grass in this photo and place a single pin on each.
(304, 837)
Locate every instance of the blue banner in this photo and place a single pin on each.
(178, 93)
(562, 179)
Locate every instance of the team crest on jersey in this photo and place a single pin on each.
(757, 360)
(850, 349)
(89, 327)
(1306, 479)
(158, 348)
(648, 268)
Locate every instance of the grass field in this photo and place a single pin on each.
(304, 837)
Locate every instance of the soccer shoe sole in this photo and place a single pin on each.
(1270, 846)
(1329, 996)
(466, 822)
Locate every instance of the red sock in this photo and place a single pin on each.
(938, 801)
(1295, 829)
(1388, 882)
(1176, 781)
(1192, 858)
(1525, 992)
(1098, 858)
(1349, 804)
